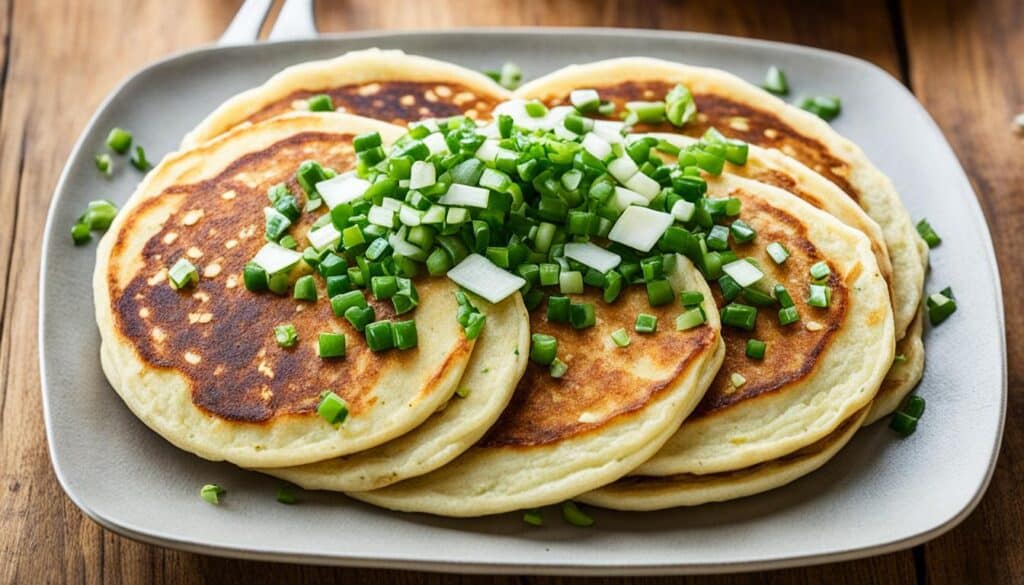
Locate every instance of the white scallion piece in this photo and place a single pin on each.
(592, 255)
(423, 174)
(585, 99)
(609, 130)
(410, 216)
(623, 169)
(481, 276)
(743, 272)
(623, 198)
(324, 237)
(401, 246)
(391, 204)
(466, 196)
(436, 144)
(683, 210)
(644, 185)
(274, 258)
(564, 133)
(640, 227)
(433, 215)
(381, 216)
(596, 145)
(342, 189)
(488, 150)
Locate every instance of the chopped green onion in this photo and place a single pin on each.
(928, 234)
(659, 292)
(775, 81)
(679, 105)
(321, 103)
(558, 368)
(777, 252)
(379, 336)
(558, 309)
(755, 349)
(572, 514)
(211, 493)
(359, 317)
(940, 307)
(690, 318)
(543, 349)
(80, 234)
(581, 315)
(737, 380)
(475, 325)
(903, 424)
(820, 270)
(819, 296)
(332, 408)
(383, 287)
(183, 274)
(825, 107)
(344, 301)
(535, 109)
(99, 214)
(139, 160)
(404, 333)
(104, 164)
(742, 232)
(119, 140)
(645, 323)
(645, 112)
(585, 100)
(286, 335)
(913, 405)
(620, 337)
(739, 315)
(305, 288)
(367, 141)
(743, 272)
(788, 315)
(331, 345)
(255, 277)
(508, 77)
(285, 495)
(533, 517)
(691, 298)
(570, 282)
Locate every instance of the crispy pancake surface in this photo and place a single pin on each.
(385, 85)
(741, 110)
(560, 437)
(499, 359)
(817, 372)
(201, 365)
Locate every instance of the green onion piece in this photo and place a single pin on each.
(383, 287)
(691, 298)
(308, 175)
(286, 335)
(119, 140)
(367, 141)
(739, 315)
(775, 81)
(558, 368)
(332, 408)
(620, 337)
(508, 77)
(741, 232)
(332, 265)
(581, 315)
(543, 349)
(755, 349)
(533, 517)
(139, 160)
(558, 309)
(404, 333)
(462, 392)
(99, 214)
(305, 288)
(788, 315)
(718, 238)
(644, 112)
(183, 274)
(321, 103)
(331, 345)
(825, 107)
(903, 424)
(255, 277)
(928, 234)
(549, 274)
(913, 406)
(645, 323)
(360, 317)
(782, 295)
(585, 100)
(104, 164)
(379, 336)
(820, 270)
(819, 296)
(659, 292)
(535, 109)
(212, 492)
(777, 252)
(940, 307)
(343, 302)
(285, 495)
(80, 234)
(572, 514)
(690, 318)
(475, 325)
(613, 283)
(679, 105)
(570, 282)
(337, 285)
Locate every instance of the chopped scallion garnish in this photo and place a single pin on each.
(825, 107)
(104, 164)
(119, 140)
(928, 234)
(212, 492)
(775, 81)
(286, 335)
(183, 274)
(572, 514)
(332, 408)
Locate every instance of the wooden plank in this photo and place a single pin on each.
(65, 56)
(965, 67)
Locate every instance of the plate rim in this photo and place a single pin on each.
(156, 537)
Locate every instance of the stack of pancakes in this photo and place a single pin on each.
(463, 427)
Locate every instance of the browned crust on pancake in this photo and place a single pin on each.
(220, 323)
(546, 410)
(398, 102)
(736, 120)
(793, 350)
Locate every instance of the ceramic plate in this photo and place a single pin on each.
(879, 494)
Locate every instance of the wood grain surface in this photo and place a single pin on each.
(59, 58)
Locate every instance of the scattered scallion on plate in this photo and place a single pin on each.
(775, 81)
(119, 140)
(212, 492)
(573, 515)
(825, 107)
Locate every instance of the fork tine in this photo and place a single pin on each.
(245, 27)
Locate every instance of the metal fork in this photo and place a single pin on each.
(295, 21)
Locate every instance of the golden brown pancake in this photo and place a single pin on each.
(201, 365)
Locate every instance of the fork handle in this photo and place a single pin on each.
(295, 21)
(245, 27)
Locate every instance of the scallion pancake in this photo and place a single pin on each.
(200, 365)
(559, 437)
(387, 85)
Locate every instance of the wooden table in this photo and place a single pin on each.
(61, 57)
